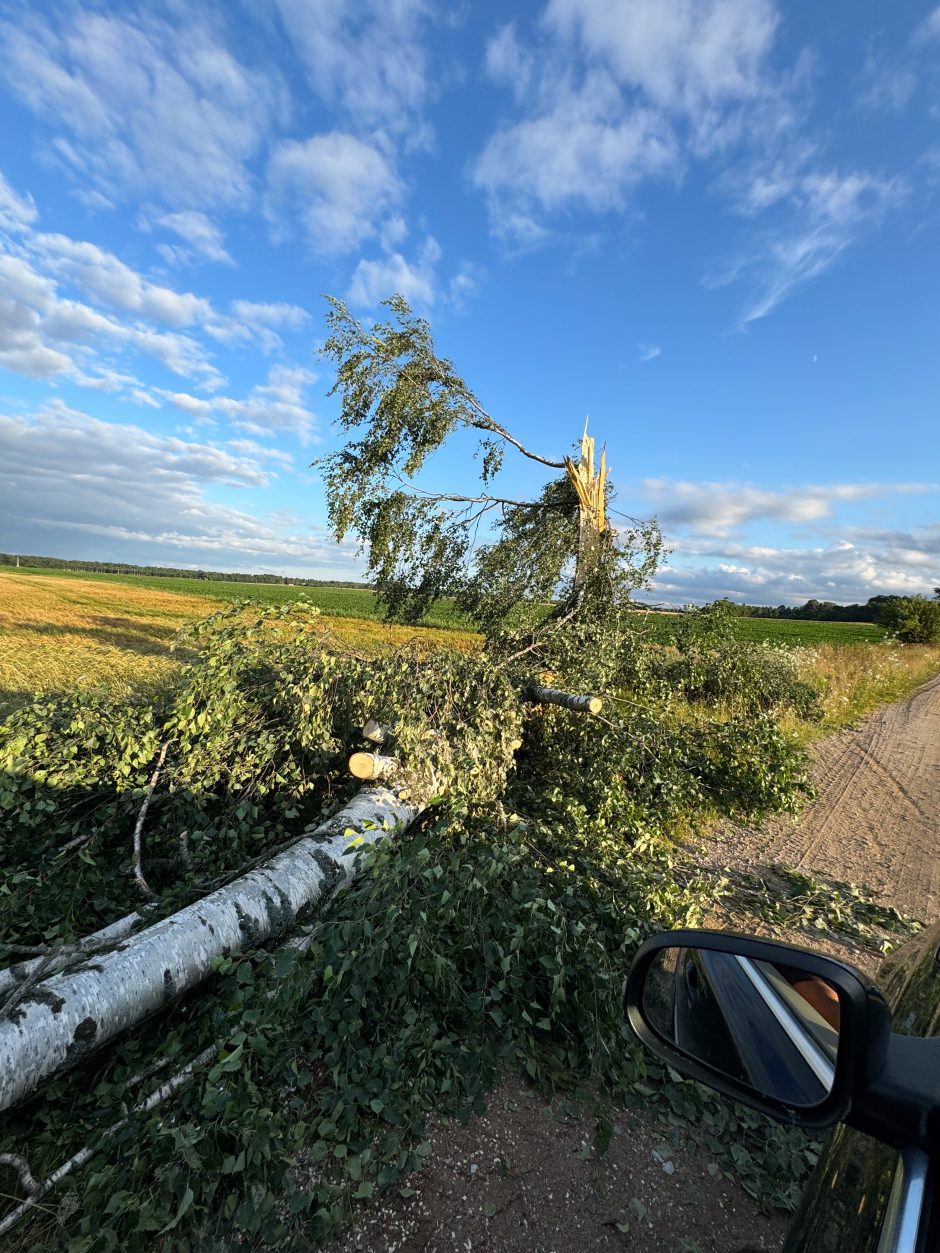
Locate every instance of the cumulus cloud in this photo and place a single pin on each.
(366, 56)
(17, 213)
(843, 571)
(44, 335)
(79, 486)
(683, 57)
(138, 104)
(338, 186)
(373, 281)
(616, 92)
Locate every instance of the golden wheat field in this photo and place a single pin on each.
(60, 633)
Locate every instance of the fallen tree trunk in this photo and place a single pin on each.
(68, 1016)
(567, 700)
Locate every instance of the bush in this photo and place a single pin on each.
(913, 619)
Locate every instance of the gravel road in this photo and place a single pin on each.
(876, 820)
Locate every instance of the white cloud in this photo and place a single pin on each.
(277, 313)
(374, 281)
(929, 28)
(138, 104)
(277, 405)
(683, 55)
(584, 151)
(205, 239)
(822, 214)
(648, 352)
(845, 570)
(338, 186)
(17, 213)
(102, 276)
(617, 92)
(719, 509)
(43, 335)
(82, 487)
(367, 57)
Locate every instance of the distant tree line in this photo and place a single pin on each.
(820, 610)
(167, 572)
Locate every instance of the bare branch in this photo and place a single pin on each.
(487, 423)
(21, 1166)
(142, 883)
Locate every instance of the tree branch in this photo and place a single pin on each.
(141, 882)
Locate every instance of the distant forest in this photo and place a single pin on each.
(821, 610)
(167, 572)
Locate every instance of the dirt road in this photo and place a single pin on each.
(876, 820)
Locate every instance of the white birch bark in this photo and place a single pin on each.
(12, 976)
(68, 1016)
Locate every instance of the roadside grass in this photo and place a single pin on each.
(860, 677)
(57, 634)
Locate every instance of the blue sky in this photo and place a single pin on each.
(711, 225)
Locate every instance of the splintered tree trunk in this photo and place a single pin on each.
(68, 1016)
(592, 520)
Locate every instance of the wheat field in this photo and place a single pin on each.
(58, 634)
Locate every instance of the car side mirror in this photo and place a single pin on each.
(784, 1030)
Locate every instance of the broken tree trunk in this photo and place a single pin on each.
(567, 700)
(68, 1016)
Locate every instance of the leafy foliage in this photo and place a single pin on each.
(497, 935)
(505, 561)
(913, 619)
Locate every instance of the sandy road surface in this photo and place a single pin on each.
(876, 820)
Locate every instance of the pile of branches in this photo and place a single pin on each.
(152, 847)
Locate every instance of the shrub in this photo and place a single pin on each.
(913, 619)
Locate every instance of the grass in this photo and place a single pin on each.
(61, 632)
(860, 677)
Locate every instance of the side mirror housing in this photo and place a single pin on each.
(787, 1031)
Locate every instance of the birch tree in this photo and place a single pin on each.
(501, 556)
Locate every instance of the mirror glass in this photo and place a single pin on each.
(768, 1025)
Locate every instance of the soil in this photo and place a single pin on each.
(876, 820)
(527, 1177)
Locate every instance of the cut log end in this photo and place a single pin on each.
(595, 705)
(369, 766)
(375, 731)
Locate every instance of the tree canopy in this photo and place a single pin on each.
(513, 565)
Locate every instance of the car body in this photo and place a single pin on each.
(845, 1204)
(742, 1014)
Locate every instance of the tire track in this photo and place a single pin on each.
(876, 819)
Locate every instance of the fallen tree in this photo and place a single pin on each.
(70, 1015)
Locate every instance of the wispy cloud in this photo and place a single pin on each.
(721, 509)
(136, 104)
(648, 352)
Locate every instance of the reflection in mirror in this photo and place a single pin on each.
(771, 1026)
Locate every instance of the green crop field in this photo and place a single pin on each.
(807, 632)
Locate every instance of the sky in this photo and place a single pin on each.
(710, 226)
